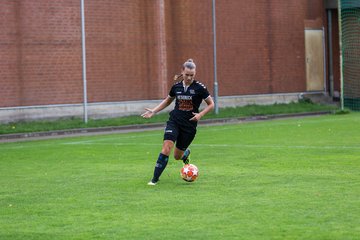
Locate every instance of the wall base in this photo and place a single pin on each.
(120, 109)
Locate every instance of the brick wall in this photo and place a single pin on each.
(44, 64)
(260, 48)
(9, 54)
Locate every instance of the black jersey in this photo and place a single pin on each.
(187, 100)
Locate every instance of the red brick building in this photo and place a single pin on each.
(134, 47)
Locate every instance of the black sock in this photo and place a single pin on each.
(160, 166)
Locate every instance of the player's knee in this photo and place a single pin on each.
(166, 149)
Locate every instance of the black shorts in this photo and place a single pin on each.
(182, 135)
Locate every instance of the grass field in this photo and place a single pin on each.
(280, 179)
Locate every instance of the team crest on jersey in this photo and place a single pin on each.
(192, 91)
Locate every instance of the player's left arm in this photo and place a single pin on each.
(210, 106)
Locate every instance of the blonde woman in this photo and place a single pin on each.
(181, 127)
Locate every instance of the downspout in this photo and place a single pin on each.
(84, 60)
(330, 46)
(216, 86)
(162, 56)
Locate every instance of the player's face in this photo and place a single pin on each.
(188, 75)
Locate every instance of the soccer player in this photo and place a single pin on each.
(181, 126)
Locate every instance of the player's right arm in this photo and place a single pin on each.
(151, 112)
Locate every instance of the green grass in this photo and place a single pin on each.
(280, 179)
(249, 110)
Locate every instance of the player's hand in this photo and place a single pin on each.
(148, 114)
(196, 117)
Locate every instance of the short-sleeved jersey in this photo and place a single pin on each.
(187, 102)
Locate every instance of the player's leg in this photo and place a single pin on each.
(162, 161)
(182, 155)
(178, 153)
(170, 136)
(182, 150)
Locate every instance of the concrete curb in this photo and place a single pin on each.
(142, 127)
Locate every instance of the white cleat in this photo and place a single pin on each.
(151, 183)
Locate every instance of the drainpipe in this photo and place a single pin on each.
(84, 59)
(215, 70)
(162, 54)
(330, 45)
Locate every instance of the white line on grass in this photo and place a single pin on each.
(213, 128)
(119, 137)
(209, 128)
(277, 146)
(37, 144)
(200, 145)
(228, 145)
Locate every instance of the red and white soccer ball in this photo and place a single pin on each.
(189, 172)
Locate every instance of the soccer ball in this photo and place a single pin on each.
(189, 172)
